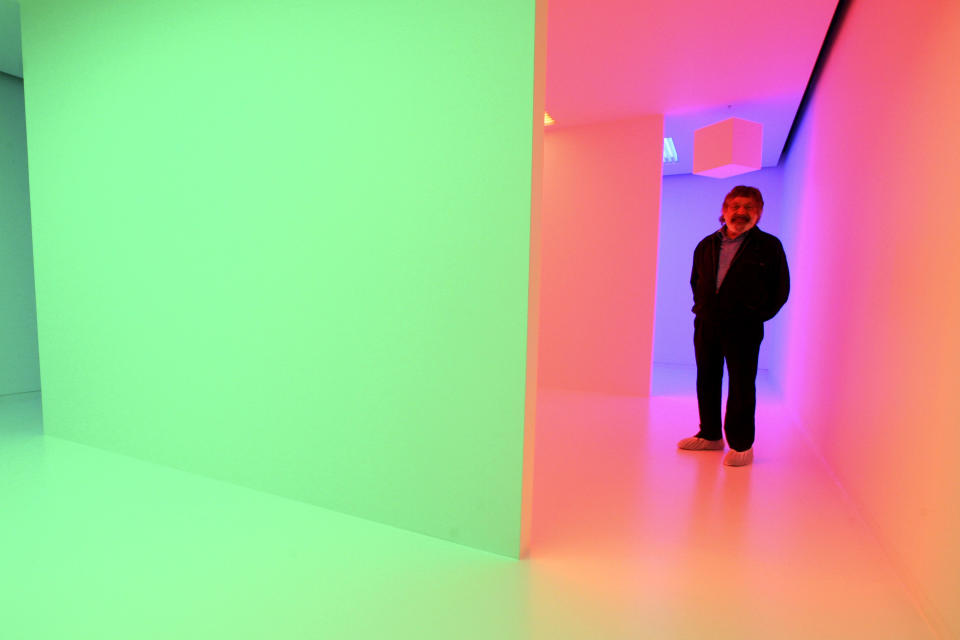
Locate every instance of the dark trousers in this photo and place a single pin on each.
(738, 343)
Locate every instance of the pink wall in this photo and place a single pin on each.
(873, 351)
(601, 207)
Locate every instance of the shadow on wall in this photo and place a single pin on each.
(20, 365)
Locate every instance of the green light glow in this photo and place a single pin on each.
(269, 250)
(98, 545)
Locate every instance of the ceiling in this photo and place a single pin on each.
(10, 59)
(695, 61)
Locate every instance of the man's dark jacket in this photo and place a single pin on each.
(755, 287)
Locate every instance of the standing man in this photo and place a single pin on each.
(740, 280)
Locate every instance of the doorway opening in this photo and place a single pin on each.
(20, 364)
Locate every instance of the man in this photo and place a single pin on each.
(740, 280)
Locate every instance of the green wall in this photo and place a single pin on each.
(19, 364)
(285, 244)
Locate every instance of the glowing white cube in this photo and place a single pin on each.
(727, 148)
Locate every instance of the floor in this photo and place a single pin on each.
(632, 539)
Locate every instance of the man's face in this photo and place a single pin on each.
(740, 214)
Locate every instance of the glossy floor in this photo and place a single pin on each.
(632, 539)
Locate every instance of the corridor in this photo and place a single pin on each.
(632, 539)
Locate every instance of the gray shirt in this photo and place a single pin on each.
(728, 249)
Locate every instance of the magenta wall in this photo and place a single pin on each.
(872, 367)
(601, 199)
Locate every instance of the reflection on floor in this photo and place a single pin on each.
(632, 539)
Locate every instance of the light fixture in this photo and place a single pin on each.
(670, 151)
(728, 148)
(547, 120)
